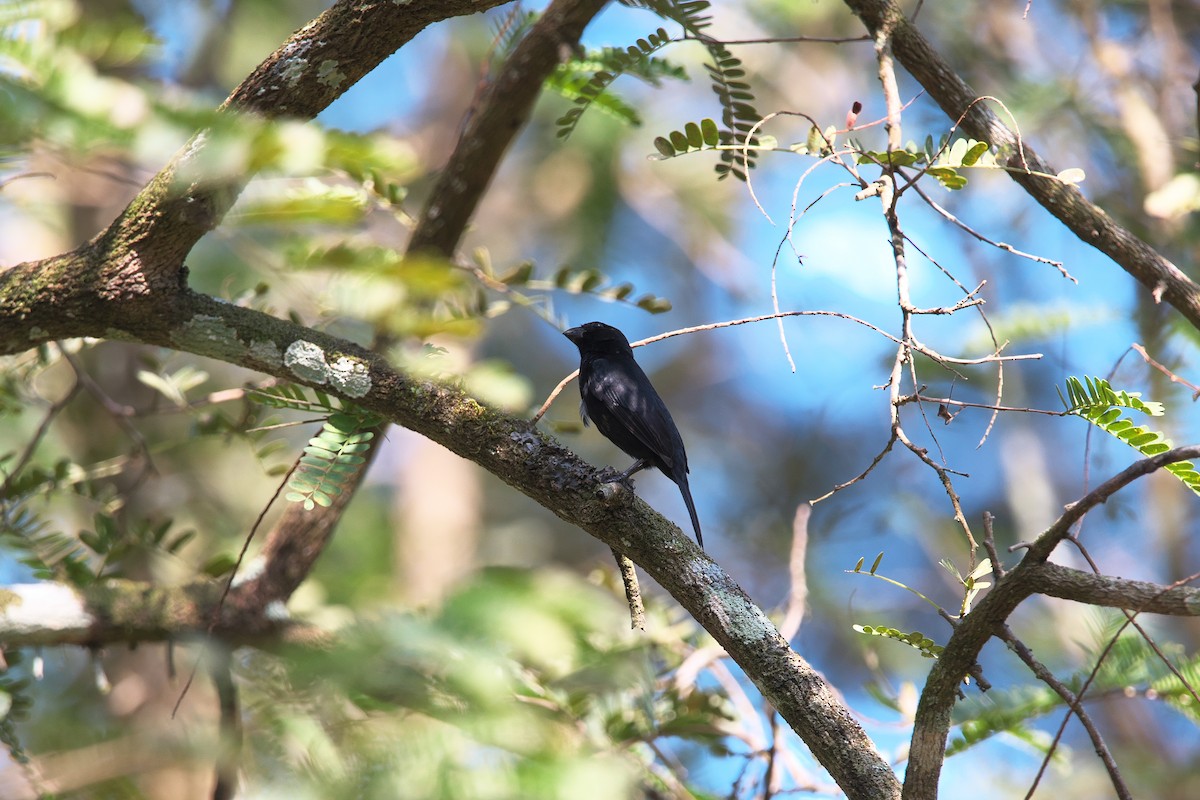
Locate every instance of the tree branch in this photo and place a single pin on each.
(556, 478)
(1065, 583)
(130, 272)
(1086, 220)
(299, 537)
(932, 721)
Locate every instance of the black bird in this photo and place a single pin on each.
(618, 397)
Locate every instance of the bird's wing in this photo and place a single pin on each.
(625, 390)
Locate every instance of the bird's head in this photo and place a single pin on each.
(598, 338)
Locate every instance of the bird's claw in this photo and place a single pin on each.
(610, 475)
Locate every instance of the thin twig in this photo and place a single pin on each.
(920, 398)
(798, 588)
(633, 591)
(1112, 642)
(788, 40)
(1141, 351)
(119, 413)
(229, 749)
(216, 615)
(989, 544)
(1043, 674)
(860, 476)
(43, 427)
(708, 327)
(1008, 248)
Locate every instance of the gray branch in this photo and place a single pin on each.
(932, 722)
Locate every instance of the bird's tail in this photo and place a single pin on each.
(691, 507)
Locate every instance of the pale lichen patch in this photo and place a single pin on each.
(351, 376)
(292, 70)
(329, 75)
(205, 334)
(307, 361)
(265, 351)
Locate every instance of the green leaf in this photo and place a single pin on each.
(586, 80)
(915, 639)
(315, 202)
(973, 153)
(655, 305)
(1094, 400)
(948, 177)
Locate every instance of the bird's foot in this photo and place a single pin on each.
(610, 475)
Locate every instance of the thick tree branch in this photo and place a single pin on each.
(492, 125)
(128, 612)
(932, 722)
(1065, 583)
(1089, 222)
(129, 273)
(557, 479)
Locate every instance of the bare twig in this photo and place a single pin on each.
(920, 398)
(860, 476)
(932, 721)
(791, 39)
(216, 614)
(633, 591)
(1163, 280)
(989, 544)
(43, 428)
(229, 749)
(1008, 248)
(1141, 351)
(798, 588)
(1114, 774)
(709, 327)
(1047, 677)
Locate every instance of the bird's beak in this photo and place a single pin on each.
(574, 334)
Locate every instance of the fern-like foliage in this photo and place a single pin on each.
(1006, 711)
(52, 555)
(290, 397)
(738, 114)
(331, 459)
(695, 136)
(508, 32)
(1096, 401)
(915, 639)
(522, 286)
(1130, 665)
(17, 703)
(605, 66)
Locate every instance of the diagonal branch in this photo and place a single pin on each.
(1086, 220)
(553, 476)
(932, 722)
(139, 258)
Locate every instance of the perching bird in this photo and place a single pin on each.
(618, 397)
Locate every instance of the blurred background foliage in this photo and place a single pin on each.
(485, 653)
